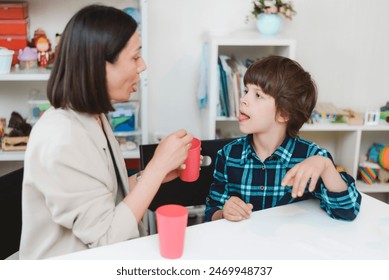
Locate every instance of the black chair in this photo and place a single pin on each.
(10, 212)
(180, 192)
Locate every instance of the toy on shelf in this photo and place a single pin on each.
(17, 134)
(374, 152)
(353, 118)
(28, 58)
(385, 112)
(384, 158)
(369, 171)
(326, 113)
(43, 46)
(376, 165)
(372, 117)
(383, 176)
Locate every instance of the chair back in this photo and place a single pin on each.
(180, 192)
(10, 212)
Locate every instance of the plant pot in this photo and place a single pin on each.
(269, 24)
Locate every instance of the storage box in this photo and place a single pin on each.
(12, 10)
(37, 108)
(128, 141)
(14, 43)
(125, 117)
(14, 143)
(5, 60)
(14, 26)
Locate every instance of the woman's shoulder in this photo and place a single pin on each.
(57, 124)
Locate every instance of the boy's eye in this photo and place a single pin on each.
(245, 91)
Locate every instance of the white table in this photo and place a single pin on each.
(293, 232)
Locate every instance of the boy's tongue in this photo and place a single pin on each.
(242, 117)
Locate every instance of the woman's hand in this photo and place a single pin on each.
(177, 172)
(171, 153)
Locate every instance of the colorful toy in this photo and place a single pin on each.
(372, 117)
(383, 176)
(384, 158)
(374, 152)
(369, 172)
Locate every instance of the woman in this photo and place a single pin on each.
(76, 193)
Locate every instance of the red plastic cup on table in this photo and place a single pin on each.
(192, 171)
(172, 220)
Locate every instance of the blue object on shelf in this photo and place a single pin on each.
(134, 12)
(269, 24)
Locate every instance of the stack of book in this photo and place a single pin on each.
(231, 87)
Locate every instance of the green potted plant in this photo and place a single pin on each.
(267, 13)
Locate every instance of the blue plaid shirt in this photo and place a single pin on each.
(240, 172)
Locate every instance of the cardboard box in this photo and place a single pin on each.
(14, 143)
(14, 43)
(12, 10)
(14, 26)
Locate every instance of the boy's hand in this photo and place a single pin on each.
(305, 173)
(236, 209)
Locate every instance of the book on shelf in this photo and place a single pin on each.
(231, 87)
(223, 90)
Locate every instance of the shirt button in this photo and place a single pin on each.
(263, 167)
(261, 188)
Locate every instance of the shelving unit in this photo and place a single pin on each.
(15, 86)
(348, 144)
(345, 142)
(244, 45)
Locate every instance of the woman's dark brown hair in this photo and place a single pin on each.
(293, 89)
(94, 35)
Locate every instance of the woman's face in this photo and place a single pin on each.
(123, 74)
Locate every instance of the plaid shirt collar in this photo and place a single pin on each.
(284, 151)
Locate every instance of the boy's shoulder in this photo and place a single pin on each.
(237, 142)
(236, 146)
(307, 147)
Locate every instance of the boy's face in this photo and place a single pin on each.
(258, 112)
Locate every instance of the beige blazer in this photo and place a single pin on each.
(70, 190)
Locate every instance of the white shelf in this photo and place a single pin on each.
(38, 74)
(11, 155)
(131, 154)
(252, 38)
(128, 133)
(373, 188)
(382, 126)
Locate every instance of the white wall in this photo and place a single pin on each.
(343, 43)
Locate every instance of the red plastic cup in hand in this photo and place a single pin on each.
(172, 220)
(192, 171)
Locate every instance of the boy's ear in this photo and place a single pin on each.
(282, 117)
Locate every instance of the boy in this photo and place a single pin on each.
(272, 166)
